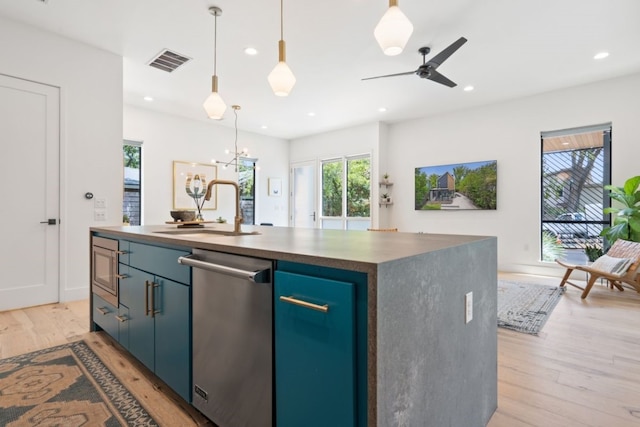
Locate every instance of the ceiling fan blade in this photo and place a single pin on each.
(437, 60)
(439, 78)
(391, 75)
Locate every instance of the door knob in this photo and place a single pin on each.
(50, 221)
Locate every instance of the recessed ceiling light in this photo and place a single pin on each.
(311, 114)
(601, 55)
(263, 127)
(382, 109)
(148, 98)
(251, 51)
(468, 88)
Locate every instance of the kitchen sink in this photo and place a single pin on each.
(207, 232)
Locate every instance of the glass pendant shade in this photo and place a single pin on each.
(281, 79)
(393, 31)
(214, 105)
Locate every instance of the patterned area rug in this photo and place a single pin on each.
(67, 385)
(525, 307)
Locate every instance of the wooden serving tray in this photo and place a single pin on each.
(189, 224)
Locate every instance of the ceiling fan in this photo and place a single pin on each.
(428, 69)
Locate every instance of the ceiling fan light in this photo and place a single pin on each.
(393, 31)
(281, 79)
(214, 106)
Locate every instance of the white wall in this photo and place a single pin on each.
(364, 139)
(510, 133)
(167, 138)
(90, 82)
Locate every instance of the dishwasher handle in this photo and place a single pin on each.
(258, 276)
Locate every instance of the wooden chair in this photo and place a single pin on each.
(382, 229)
(630, 276)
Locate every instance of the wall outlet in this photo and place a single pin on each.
(99, 215)
(468, 304)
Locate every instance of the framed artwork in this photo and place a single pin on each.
(275, 187)
(460, 186)
(190, 180)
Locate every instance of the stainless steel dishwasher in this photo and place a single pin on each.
(232, 338)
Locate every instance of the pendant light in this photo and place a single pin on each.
(214, 105)
(281, 78)
(393, 30)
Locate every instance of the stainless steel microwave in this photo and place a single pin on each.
(104, 269)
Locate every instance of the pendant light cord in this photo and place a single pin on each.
(215, 42)
(281, 20)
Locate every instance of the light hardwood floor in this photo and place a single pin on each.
(34, 328)
(582, 370)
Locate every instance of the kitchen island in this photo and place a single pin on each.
(417, 361)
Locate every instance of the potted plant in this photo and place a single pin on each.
(385, 198)
(626, 220)
(385, 178)
(125, 219)
(593, 252)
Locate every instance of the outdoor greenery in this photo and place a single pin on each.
(358, 188)
(626, 220)
(131, 156)
(552, 248)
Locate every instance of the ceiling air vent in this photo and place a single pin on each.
(168, 61)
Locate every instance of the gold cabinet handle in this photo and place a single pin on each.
(153, 299)
(291, 300)
(121, 276)
(122, 252)
(146, 297)
(103, 311)
(122, 318)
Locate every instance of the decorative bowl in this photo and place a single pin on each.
(183, 215)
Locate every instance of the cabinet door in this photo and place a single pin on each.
(173, 336)
(315, 352)
(136, 296)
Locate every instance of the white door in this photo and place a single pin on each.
(303, 195)
(29, 193)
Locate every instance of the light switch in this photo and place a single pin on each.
(100, 203)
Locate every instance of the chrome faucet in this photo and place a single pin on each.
(238, 219)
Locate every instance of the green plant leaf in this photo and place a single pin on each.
(615, 232)
(614, 189)
(611, 210)
(631, 185)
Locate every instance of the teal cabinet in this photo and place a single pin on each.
(135, 295)
(153, 319)
(173, 335)
(159, 313)
(158, 322)
(315, 351)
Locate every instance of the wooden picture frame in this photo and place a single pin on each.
(181, 172)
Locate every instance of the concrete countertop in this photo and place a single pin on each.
(352, 250)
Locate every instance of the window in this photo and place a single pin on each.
(346, 193)
(575, 169)
(246, 180)
(131, 201)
